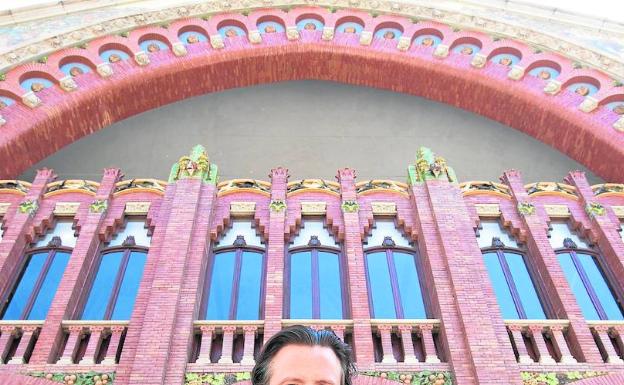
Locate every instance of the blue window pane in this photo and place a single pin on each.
(409, 286)
(221, 286)
(526, 290)
(602, 289)
(25, 286)
(248, 307)
(102, 288)
(330, 291)
(575, 282)
(129, 286)
(301, 285)
(380, 286)
(49, 286)
(501, 289)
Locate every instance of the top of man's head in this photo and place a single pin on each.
(309, 357)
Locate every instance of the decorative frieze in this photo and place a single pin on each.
(384, 208)
(68, 209)
(137, 208)
(242, 209)
(313, 208)
(488, 209)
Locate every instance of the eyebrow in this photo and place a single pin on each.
(298, 380)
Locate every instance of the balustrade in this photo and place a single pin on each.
(608, 337)
(541, 341)
(92, 342)
(17, 340)
(406, 341)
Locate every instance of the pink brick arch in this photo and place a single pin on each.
(63, 117)
(16, 379)
(612, 379)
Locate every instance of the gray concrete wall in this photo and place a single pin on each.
(313, 128)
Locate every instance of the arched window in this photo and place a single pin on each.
(236, 275)
(392, 270)
(581, 266)
(44, 265)
(505, 261)
(119, 273)
(314, 271)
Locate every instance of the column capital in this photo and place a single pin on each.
(346, 175)
(229, 328)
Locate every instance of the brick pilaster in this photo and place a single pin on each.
(180, 227)
(17, 223)
(603, 226)
(74, 279)
(274, 297)
(542, 256)
(473, 332)
(356, 273)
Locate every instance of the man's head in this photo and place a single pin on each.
(302, 356)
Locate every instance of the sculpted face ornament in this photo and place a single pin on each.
(76, 71)
(192, 39)
(467, 51)
(269, 29)
(544, 75)
(310, 26)
(619, 109)
(37, 87)
(505, 61)
(427, 42)
(349, 30)
(114, 58)
(582, 90)
(153, 48)
(389, 35)
(3, 105)
(231, 32)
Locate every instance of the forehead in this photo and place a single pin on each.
(298, 364)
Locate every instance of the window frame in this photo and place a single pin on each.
(511, 284)
(123, 265)
(572, 250)
(396, 294)
(53, 247)
(239, 250)
(316, 303)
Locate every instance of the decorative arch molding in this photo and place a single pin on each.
(17, 379)
(36, 126)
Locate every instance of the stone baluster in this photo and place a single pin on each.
(207, 333)
(617, 334)
(22, 347)
(5, 341)
(339, 330)
(540, 345)
(523, 354)
(92, 348)
(113, 345)
(248, 347)
(75, 335)
(556, 332)
(603, 336)
(431, 356)
(385, 331)
(408, 344)
(228, 344)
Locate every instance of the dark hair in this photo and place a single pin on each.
(302, 335)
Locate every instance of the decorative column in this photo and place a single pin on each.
(76, 333)
(17, 223)
(113, 345)
(542, 256)
(95, 339)
(206, 344)
(356, 272)
(431, 356)
(556, 332)
(74, 279)
(540, 345)
(273, 300)
(475, 339)
(523, 354)
(27, 335)
(604, 226)
(249, 334)
(408, 344)
(161, 328)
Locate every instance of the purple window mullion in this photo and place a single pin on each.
(316, 298)
(262, 285)
(590, 289)
(510, 282)
(368, 287)
(125, 259)
(38, 284)
(395, 284)
(238, 263)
